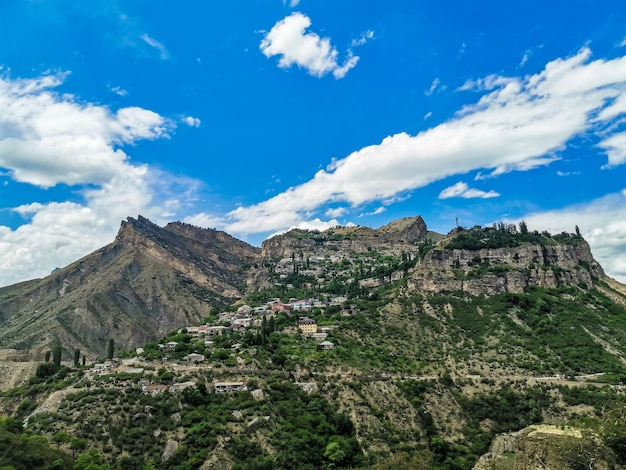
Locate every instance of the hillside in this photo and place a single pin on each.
(417, 350)
(149, 281)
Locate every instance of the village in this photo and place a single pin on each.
(161, 367)
(231, 345)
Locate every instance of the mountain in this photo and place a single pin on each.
(149, 281)
(495, 341)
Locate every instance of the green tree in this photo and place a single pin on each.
(111, 349)
(57, 351)
(523, 228)
(91, 460)
(76, 357)
(48, 353)
(334, 453)
(59, 438)
(46, 369)
(77, 444)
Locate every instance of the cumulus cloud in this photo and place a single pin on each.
(336, 212)
(517, 124)
(315, 224)
(47, 139)
(289, 39)
(603, 224)
(461, 189)
(192, 121)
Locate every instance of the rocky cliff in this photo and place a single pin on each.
(492, 271)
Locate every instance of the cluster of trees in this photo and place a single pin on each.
(503, 235)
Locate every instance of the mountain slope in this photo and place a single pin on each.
(149, 281)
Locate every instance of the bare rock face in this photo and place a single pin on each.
(501, 270)
(407, 230)
(170, 449)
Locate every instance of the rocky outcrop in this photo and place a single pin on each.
(501, 270)
(546, 446)
(406, 230)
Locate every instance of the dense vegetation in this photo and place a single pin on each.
(26, 451)
(503, 235)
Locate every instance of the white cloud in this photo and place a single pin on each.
(517, 125)
(615, 149)
(527, 55)
(192, 121)
(150, 41)
(289, 40)
(336, 212)
(316, 224)
(363, 38)
(603, 224)
(119, 91)
(488, 83)
(292, 3)
(427, 115)
(435, 86)
(377, 211)
(48, 139)
(461, 189)
(204, 220)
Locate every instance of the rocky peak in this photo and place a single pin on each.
(131, 229)
(407, 229)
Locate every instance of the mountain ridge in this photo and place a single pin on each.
(151, 279)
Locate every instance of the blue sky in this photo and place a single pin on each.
(257, 116)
